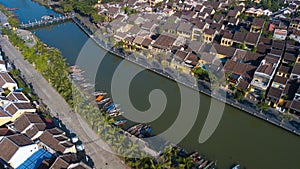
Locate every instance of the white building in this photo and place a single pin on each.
(280, 34)
(16, 149)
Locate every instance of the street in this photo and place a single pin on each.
(97, 149)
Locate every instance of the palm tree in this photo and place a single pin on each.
(263, 106)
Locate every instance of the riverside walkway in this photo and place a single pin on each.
(47, 20)
(97, 150)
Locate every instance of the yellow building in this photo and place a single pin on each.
(13, 111)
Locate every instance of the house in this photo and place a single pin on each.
(198, 30)
(227, 39)
(56, 142)
(209, 35)
(254, 12)
(18, 97)
(69, 161)
(5, 132)
(296, 71)
(257, 25)
(295, 23)
(233, 14)
(185, 29)
(264, 74)
(295, 35)
(17, 148)
(12, 111)
(222, 52)
(238, 72)
(164, 42)
(284, 71)
(252, 39)
(30, 124)
(279, 82)
(6, 82)
(280, 34)
(274, 96)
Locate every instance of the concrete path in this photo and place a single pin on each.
(96, 150)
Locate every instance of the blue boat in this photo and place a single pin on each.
(236, 167)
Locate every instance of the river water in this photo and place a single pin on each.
(239, 137)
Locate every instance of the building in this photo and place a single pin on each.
(6, 82)
(257, 25)
(15, 149)
(56, 142)
(264, 74)
(30, 124)
(295, 35)
(280, 34)
(12, 111)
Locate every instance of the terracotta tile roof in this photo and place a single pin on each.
(276, 52)
(27, 119)
(7, 149)
(243, 84)
(275, 93)
(224, 50)
(164, 42)
(6, 77)
(19, 96)
(266, 68)
(3, 113)
(278, 45)
(280, 80)
(296, 69)
(285, 69)
(146, 42)
(227, 35)
(11, 109)
(295, 105)
(180, 55)
(290, 57)
(252, 38)
(239, 37)
(20, 140)
(210, 31)
(258, 22)
(63, 161)
(48, 139)
(5, 132)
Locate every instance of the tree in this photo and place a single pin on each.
(263, 106)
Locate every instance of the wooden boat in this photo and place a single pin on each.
(104, 101)
(120, 122)
(114, 111)
(99, 98)
(115, 114)
(97, 93)
(203, 164)
(209, 165)
(134, 127)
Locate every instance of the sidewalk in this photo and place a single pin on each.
(101, 158)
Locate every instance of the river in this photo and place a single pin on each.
(239, 138)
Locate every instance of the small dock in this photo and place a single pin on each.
(47, 20)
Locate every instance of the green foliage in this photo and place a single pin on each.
(239, 95)
(263, 106)
(14, 22)
(48, 61)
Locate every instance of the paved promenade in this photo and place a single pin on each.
(97, 149)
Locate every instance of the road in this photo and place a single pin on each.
(97, 149)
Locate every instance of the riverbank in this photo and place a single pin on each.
(277, 121)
